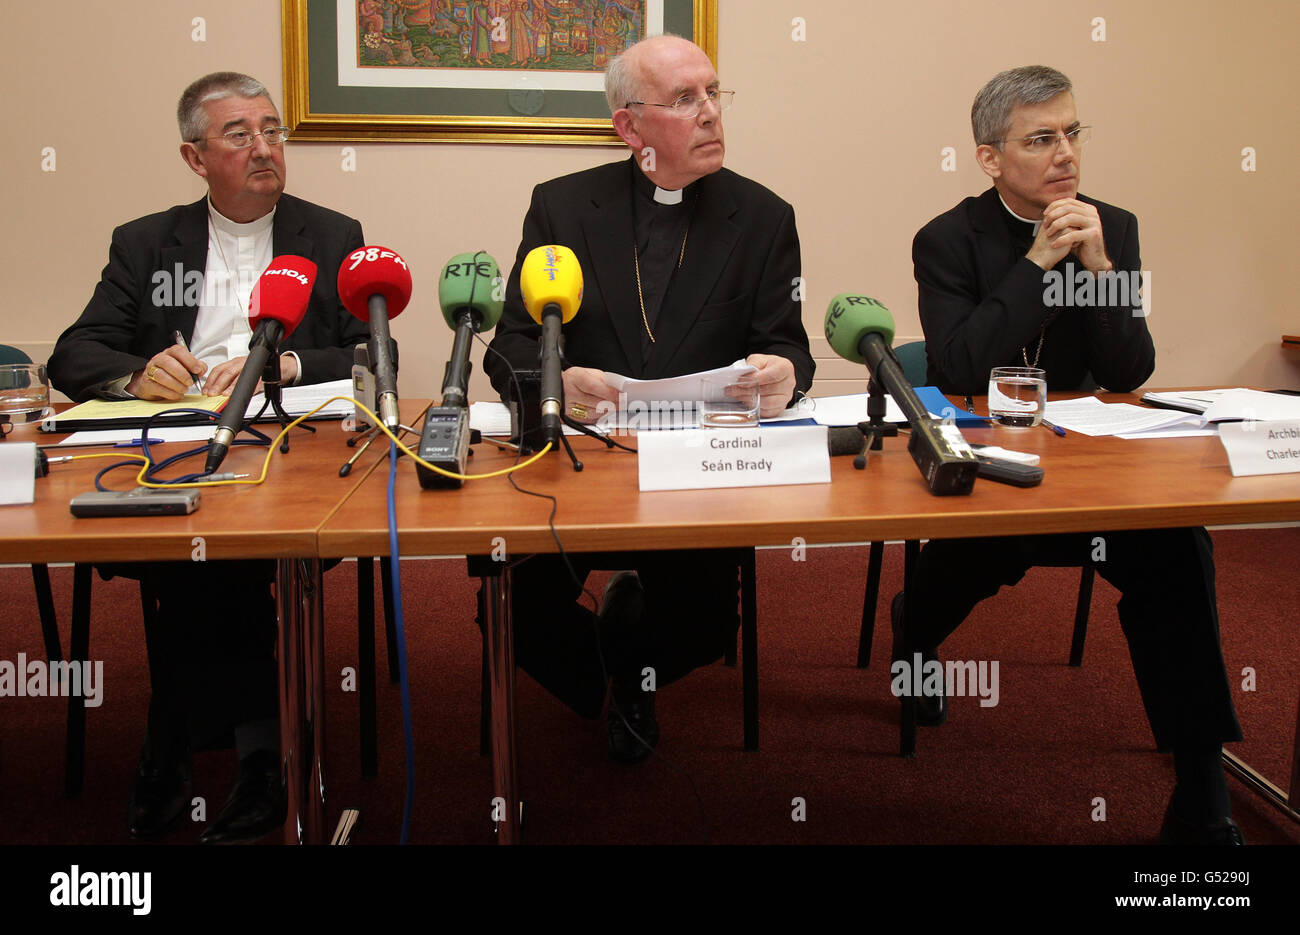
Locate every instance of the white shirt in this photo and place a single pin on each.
(238, 254)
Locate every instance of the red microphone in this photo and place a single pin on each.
(276, 308)
(283, 293)
(375, 285)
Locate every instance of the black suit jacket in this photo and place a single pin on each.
(981, 301)
(732, 296)
(130, 318)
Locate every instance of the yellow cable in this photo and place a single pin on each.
(266, 462)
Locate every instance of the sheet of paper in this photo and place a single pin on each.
(494, 419)
(1199, 400)
(299, 400)
(178, 433)
(685, 389)
(1090, 416)
(849, 410)
(1252, 405)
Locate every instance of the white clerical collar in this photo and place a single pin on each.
(1037, 224)
(665, 197)
(235, 228)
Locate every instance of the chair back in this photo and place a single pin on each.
(914, 362)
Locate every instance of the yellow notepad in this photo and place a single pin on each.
(129, 413)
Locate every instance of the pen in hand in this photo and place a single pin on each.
(180, 341)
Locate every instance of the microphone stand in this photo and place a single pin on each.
(876, 429)
(272, 385)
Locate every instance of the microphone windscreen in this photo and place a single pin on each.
(283, 292)
(551, 275)
(471, 281)
(844, 440)
(850, 318)
(371, 271)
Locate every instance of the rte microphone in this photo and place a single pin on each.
(278, 303)
(551, 281)
(375, 285)
(860, 329)
(469, 293)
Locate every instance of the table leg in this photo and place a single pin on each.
(302, 698)
(501, 677)
(1283, 801)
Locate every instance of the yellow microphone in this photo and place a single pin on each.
(551, 275)
(551, 282)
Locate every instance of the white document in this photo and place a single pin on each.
(683, 389)
(1090, 416)
(17, 473)
(848, 410)
(697, 459)
(300, 400)
(175, 433)
(1252, 405)
(1262, 447)
(494, 419)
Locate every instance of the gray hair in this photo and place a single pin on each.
(990, 115)
(190, 113)
(623, 77)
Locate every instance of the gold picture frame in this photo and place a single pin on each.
(317, 107)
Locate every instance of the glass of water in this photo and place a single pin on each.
(24, 392)
(727, 405)
(1017, 396)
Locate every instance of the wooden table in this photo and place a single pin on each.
(278, 520)
(1090, 484)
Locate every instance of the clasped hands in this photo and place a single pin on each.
(171, 372)
(1070, 226)
(586, 391)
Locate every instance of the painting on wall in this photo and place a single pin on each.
(524, 71)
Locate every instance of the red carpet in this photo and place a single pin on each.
(1026, 771)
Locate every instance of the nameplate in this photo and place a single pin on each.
(698, 459)
(17, 473)
(1262, 447)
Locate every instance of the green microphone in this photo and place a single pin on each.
(860, 329)
(470, 293)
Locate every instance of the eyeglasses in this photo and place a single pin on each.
(688, 108)
(1042, 143)
(242, 139)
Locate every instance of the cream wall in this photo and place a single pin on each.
(849, 126)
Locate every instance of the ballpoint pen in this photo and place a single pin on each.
(1054, 427)
(180, 340)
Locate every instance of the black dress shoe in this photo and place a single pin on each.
(633, 730)
(256, 804)
(931, 710)
(1215, 832)
(161, 793)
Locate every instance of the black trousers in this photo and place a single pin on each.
(212, 650)
(1168, 612)
(691, 613)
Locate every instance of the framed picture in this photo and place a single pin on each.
(467, 71)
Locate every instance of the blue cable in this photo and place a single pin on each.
(409, 805)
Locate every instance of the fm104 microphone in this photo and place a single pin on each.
(551, 282)
(375, 285)
(470, 291)
(860, 329)
(276, 307)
